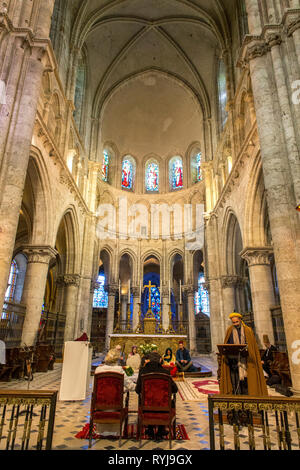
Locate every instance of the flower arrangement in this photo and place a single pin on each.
(147, 348)
(128, 371)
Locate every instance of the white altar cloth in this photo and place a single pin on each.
(76, 371)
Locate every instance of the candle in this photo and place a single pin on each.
(180, 293)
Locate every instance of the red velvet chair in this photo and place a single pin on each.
(157, 404)
(107, 406)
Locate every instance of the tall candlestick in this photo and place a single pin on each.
(119, 290)
(140, 291)
(169, 292)
(180, 293)
(129, 291)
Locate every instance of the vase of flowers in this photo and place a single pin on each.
(147, 348)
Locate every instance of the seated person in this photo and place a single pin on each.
(154, 366)
(183, 359)
(170, 360)
(134, 359)
(267, 356)
(111, 365)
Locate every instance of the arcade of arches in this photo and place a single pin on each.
(124, 123)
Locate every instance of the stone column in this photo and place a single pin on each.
(71, 285)
(124, 306)
(136, 307)
(165, 308)
(217, 325)
(229, 295)
(258, 260)
(190, 293)
(23, 78)
(38, 258)
(284, 220)
(112, 290)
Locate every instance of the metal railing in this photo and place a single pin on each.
(11, 324)
(254, 423)
(27, 419)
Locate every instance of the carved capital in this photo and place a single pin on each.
(229, 282)
(257, 256)
(112, 289)
(189, 290)
(274, 39)
(39, 254)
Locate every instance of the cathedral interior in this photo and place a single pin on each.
(149, 170)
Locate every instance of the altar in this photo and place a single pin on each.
(150, 326)
(161, 341)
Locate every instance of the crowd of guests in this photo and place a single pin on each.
(168, 364)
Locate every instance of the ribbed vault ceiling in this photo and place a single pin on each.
(123, 38)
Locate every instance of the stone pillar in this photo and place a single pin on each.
(284, 220)
(263, 299)
(190, 293)
(71, 284)
(136, 307)
(217, 324)
(17, 118)
(165, 309)
(229, 295)
(124, 307)
(112, 290)
(85, 296)
(38, 258)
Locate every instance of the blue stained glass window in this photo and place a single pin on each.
(127, 174)
(105, 166)
(177, 174)
(155, 301)
(152, 177)
(100, 294)
(202, 297)
(12, 280)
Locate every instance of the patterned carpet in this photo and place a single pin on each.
(189, 390)
(181, 434)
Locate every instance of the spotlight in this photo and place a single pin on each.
(298, 208)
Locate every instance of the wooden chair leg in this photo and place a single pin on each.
(120, 436)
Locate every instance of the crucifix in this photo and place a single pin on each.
(149, 286)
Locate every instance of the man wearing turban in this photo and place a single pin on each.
(242, 375)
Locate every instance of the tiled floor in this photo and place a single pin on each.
(72, 416)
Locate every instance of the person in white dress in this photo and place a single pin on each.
(111, 365)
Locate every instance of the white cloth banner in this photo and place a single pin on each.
(76, 371)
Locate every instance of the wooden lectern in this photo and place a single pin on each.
(232, 351)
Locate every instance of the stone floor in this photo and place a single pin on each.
(72, 416)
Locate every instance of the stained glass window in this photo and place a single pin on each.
(176, 173)
(155, 301)
(222, 88)
(105, 166)
(12, 280)
(127, 174)
(100, 294)
(202, 297)
(152, 177)
(199, 167)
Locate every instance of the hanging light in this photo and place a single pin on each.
(298, 208)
